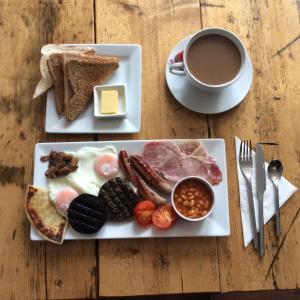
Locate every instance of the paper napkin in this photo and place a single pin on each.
(286, 190)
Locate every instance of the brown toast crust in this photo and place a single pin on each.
(82, 73)
(55, 65)
(68, 91)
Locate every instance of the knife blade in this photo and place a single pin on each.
(260, 190)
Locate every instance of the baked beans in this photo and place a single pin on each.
(192, 198)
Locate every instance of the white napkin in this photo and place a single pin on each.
(286, 190)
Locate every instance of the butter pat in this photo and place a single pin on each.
(109, 102)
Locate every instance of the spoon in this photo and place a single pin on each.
(275, 170)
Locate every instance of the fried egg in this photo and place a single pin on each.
(63, 200)
(86, 179)
(107, 165)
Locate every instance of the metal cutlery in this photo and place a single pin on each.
(260, 190)
(275, 170)
(246, 166)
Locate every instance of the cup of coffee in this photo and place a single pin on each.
(213, 59)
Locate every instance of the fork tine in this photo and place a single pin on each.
(248, 154)
(243, 150)
(241, 145)
(250, 150)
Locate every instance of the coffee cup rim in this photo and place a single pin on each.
(240, 45)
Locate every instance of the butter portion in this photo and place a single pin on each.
(109, 102)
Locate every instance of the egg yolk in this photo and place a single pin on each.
(106, 165)
(63, 199)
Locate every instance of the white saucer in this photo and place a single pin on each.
(207, 102)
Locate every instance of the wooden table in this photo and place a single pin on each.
(39, 270)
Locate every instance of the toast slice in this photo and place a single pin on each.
(55, 65)
(68, 91)
(82, 73)
(46, 82)
(49, 49)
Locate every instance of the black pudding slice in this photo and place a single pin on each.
(120, 197)
(87, 214)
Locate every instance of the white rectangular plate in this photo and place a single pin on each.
(217, 224)
(129, 73)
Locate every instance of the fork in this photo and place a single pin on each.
(246, 166)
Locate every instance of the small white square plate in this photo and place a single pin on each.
(128, 73)
(217, 224)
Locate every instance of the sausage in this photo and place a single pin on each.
(150, 175)
(144, 190)
(125, 165)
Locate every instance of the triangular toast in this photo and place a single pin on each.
(55, 65)
(81, 74)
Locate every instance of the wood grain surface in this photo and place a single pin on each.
(43, 270)
(270, 31)
(268, 115)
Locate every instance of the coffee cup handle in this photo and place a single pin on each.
(177, 68)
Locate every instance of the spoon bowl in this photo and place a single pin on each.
(275, 170)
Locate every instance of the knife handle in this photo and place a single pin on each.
(261, 227)
(277, 214)
(252, 214)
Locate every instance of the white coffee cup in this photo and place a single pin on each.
(181, 68)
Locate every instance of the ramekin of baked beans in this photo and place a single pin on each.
(193, 198)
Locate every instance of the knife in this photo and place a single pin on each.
(260, 189)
